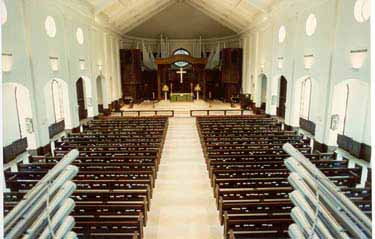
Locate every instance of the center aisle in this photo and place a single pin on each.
(183, 206)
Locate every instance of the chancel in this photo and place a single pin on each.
(186, 119)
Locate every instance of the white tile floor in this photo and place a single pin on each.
(183, 205)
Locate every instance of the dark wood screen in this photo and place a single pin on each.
(11, 151)
(231, 72)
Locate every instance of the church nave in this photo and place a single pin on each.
(187, 119)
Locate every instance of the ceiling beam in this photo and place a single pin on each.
(133, 9)
(215, 15)
(104, 4)
(258, 4)
(153, 12)
(137, 15)
(224, 12)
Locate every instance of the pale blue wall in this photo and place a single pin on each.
(24, 36)
(330, 46)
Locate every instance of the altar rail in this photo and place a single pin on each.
(141, 113)
(224, 112)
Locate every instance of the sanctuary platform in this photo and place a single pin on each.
(182, 109)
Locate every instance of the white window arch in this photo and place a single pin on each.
(80, 36)
(362, 10)
(50, 26)
(306, 90)
(4, 12)
(282, 34)
(58, 100)
(311, 24)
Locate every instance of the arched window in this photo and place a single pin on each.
(19, 120)
(306, 89)
(181, 51)
(342, 127)
(58, 100)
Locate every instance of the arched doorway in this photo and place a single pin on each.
(57, 102)
(17, 117)
(84, 98)
(99, 91)
(82, 112)
(301, 104)
(283, 86)
(348, 115)
(262, 83)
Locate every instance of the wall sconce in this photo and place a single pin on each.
(82, 64)
(54, 62)
(100, 67)
(262, 67)
(357, 58)
(280, 62)
(7, 62)
(308, 61)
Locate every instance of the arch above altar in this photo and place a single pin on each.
(176, 58)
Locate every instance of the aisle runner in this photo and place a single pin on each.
(183, 206)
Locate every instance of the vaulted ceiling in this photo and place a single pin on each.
(177, 19)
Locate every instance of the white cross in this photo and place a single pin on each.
(181, 72)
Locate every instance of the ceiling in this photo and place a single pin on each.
(181, 18)
(181, 21)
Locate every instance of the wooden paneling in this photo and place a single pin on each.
(11, 151)
(359, 150)
(56, 128)
(307, 125)
(131, 73)
(231, 72)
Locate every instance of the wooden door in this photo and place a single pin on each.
(282, 97)
(82, 112)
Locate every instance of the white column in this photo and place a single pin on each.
(246, 72)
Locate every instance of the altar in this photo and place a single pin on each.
(181, 97)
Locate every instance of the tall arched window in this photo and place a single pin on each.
(58, 100)
(19, 120)
(306, 89)
(342, 127)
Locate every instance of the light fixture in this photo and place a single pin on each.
(308, 61)
(262, 66)
(7, 62)
(82, 64)
(280, 62)
(100, 67)
(54, 61)
(357, 58)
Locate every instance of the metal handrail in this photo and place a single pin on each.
(337, 213)
(54, 189)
